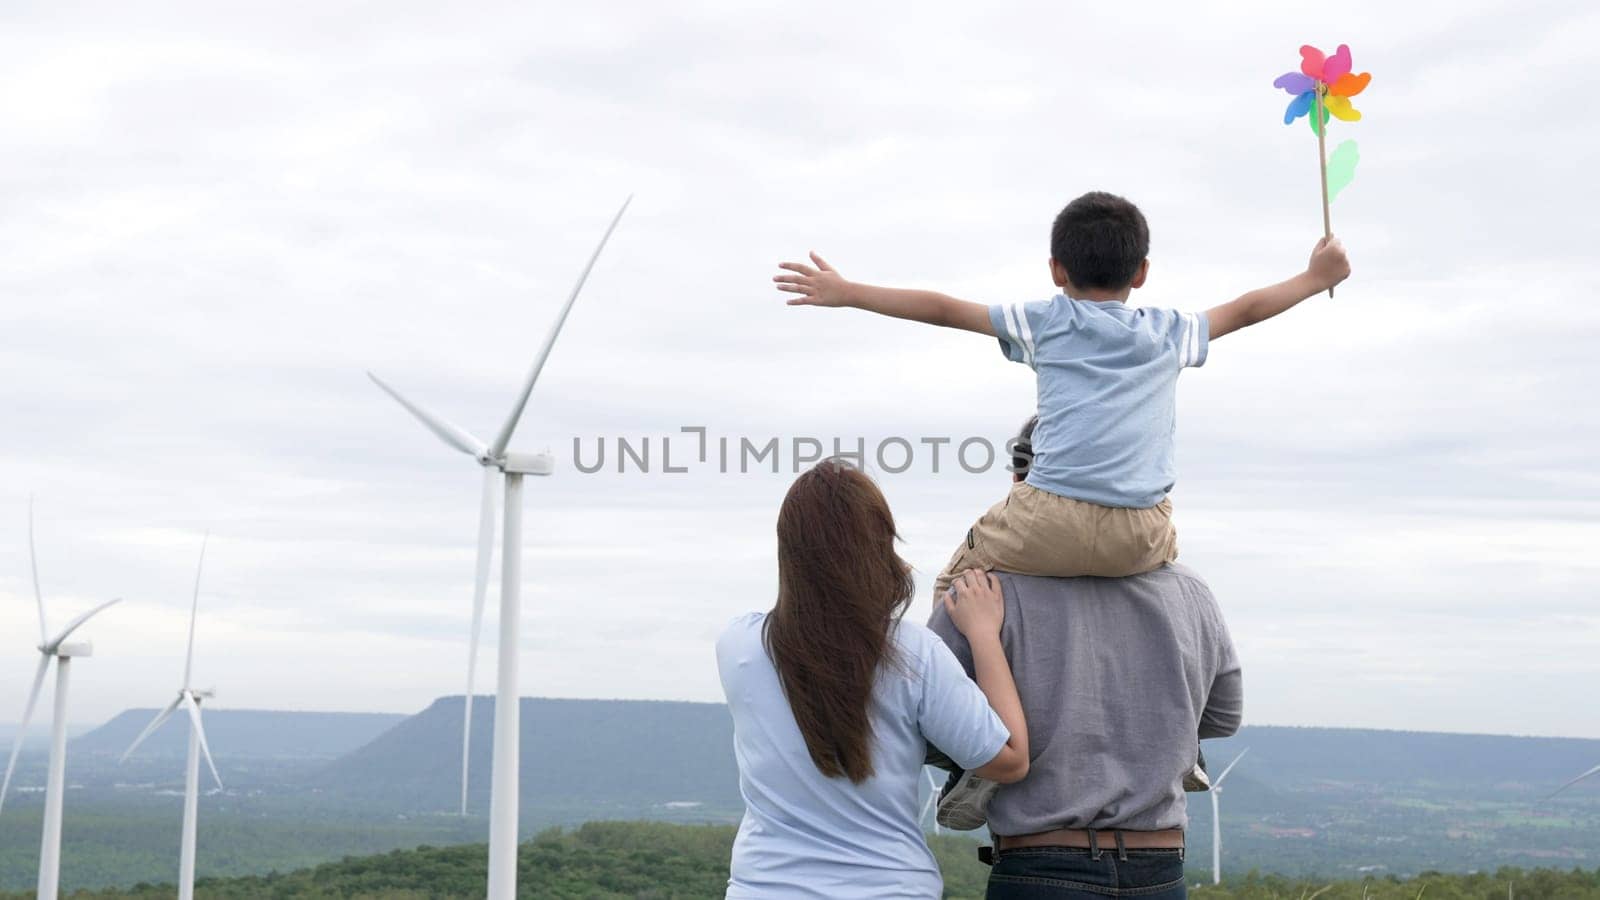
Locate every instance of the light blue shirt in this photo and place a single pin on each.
(1108, 384)
(805, 835)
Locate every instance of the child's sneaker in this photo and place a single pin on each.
(1197, 781)
(964, 802)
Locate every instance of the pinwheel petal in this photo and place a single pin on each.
(1342, 167)
(1295, 82)
(1341, 108)
(1336, 65)
(1350, 85)
(1311, 61)
(1312, 121)
(1299, 106)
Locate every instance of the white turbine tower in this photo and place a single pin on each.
(1593, 771)
(50, 648)
(1216, 819)
(189, 699)
(496, 460)
(933, 801)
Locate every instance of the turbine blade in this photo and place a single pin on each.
(53, 643)
(1218, 782)
(480, 587)
(444, 430)
(503, 439)
(33, 563)
(1574, 781)
(157, 722)
(194, 610)
(22, 729)
(200, 729)
(933, 798)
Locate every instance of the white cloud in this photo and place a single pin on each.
(218, 217)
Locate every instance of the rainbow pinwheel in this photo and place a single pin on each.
(1324, 78)
(1323, 88)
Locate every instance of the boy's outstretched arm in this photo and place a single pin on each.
(1328, 267)
(822, 285)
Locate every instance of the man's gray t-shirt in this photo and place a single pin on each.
(1119, 678)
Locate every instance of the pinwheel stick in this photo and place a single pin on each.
(1322, 167)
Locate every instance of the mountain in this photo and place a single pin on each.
(1306, 800)
(1329, 801)
(1297, 756)
(600, 758)
(242, 734)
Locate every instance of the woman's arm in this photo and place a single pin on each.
(978, 608)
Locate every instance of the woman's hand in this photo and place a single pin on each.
(978, 608)
(975, 604)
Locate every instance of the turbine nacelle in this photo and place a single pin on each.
(70, 649)
(528, 464)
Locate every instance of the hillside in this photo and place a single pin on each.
(1288, 756)
(597, 758)
(1306, 801)
(632, 860)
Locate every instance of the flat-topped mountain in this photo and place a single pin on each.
(242, 733)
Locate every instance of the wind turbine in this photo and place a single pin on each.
(1593, 771)
(59, 649)
(1216, 819)
(933, 801)
(496, 461)
(189, 699)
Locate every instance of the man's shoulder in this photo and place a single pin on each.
(1182, 574)
(1173, 576)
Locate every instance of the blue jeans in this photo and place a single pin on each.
(1067, 873)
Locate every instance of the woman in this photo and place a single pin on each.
(834, 702)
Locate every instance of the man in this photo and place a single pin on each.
(1117, 677)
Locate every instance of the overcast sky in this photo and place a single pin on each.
(217, 216)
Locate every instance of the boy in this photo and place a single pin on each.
(1094, 501)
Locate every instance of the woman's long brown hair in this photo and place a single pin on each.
(841, 588)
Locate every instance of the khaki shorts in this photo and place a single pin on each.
(1035, 532)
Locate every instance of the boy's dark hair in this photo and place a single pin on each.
(1100, 239)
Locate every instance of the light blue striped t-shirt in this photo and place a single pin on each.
(1108, 378)
(806, 836)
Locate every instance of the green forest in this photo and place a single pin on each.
(658, 861)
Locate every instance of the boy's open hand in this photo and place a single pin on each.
(975, 604)
(819, 286)
(1329, 264)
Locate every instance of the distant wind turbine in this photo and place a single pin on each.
(497, 461)
(1216, 819)
(1593, 771)
(50, 648)
(189, 699)
(933, 800)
